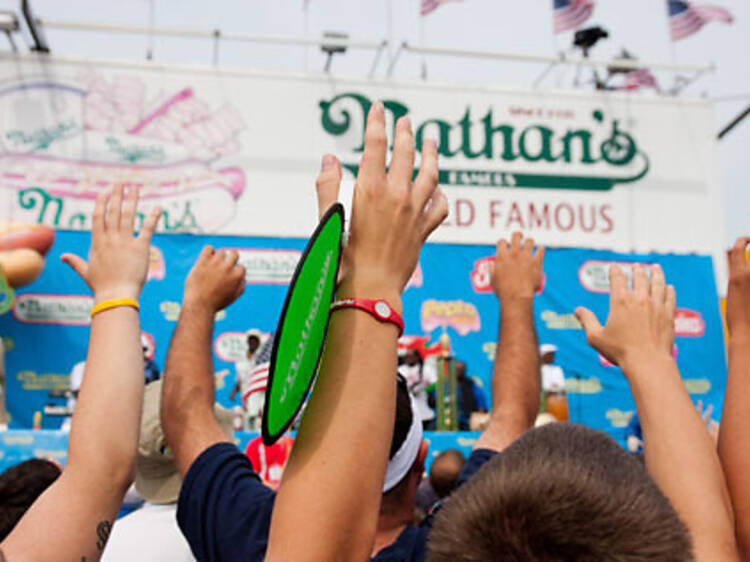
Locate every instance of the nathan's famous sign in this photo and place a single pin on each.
(595, 155)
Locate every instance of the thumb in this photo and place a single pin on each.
(78, 265)
(588, 320)
(328, 183)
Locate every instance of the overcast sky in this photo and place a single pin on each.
(641, 26)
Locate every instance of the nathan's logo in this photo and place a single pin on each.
(31, 380)
(618, 418)
(698, 386)
(688, 323)
(583, 386)
(481, 276)
(560, 321)
(594, 274)
(71, 310)
(459, 315)
(268, 267)
(595, 156)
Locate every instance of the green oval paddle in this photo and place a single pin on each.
(302, 326)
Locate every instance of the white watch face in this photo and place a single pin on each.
(382, 310)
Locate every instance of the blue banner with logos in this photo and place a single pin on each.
(46, 333)
(19, 445)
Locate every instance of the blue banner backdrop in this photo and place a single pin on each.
(47, 332)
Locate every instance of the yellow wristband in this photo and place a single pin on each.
(113, 303)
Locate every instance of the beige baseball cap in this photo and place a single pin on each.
(157, 479)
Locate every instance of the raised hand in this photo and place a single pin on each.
(738, 293)
(517, 271)
(118, 261)
(391, 215)
(215, 281)
(328, 183)
(641, 320)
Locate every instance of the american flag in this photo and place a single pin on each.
(640, 78)
(570, 14)
(429, 6)
(686, 18)
(258, 381)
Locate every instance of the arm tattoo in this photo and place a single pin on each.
(102, 531)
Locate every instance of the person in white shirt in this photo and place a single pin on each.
(554, 399)
(244, 373)
(76, 380)
(151, 534)
(419, 376)
(553, 377)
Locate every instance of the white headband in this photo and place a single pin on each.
(403, 460)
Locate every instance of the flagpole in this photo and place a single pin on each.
(307, 26)
(673, 49)
(389, 29)
(422, 43)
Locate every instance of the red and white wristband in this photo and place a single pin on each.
(378, 309)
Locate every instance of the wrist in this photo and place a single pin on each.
(644, 361)
(517, 300)
(111, 293)
(739, 334)
(358, 288)
(197, 305)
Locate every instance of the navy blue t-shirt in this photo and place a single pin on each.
(224, 510)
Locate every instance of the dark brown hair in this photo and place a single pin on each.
(560, 492)
(445, 470)
(20, 486)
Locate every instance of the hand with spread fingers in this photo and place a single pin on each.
(216, 280)
(734, 434)
(738, 291)
(517, 270)
(680, 455)
(516, 277)
(392, 215)
(641, 319)
(118, 261)
(83, 502)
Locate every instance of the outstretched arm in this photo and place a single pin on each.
(680, 454)
(72, 519)
(187, 403)
(331, 489)
(516, 276)
(734, 435)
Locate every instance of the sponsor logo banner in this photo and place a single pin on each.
(268, 267)
(71, 310)
(460, 315)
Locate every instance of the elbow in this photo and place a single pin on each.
(124, 475)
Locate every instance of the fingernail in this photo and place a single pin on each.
(329, 160)
(432, 143)
(377, 108)
(405, 122)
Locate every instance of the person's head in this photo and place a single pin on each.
(20, 486)
(157, 478)
(406, 457)
(412, 357)
(445, 470)
(253, 343)
(560, 492)
(547, 353)
(460, 370)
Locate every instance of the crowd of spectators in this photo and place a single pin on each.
(354, 474)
